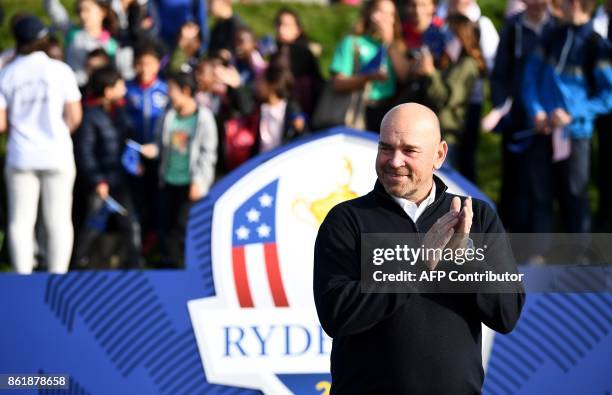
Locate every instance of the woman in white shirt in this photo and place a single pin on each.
(39, 106)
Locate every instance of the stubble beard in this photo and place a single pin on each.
(408, 186)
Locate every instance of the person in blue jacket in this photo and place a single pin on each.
(602, 23)
(519, 37)
(147, 99)
(172, 14)
(567, 83)
(147, 94)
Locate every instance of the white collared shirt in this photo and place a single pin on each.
(411, 208)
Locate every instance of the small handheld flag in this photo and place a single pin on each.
(378, 62)
(99, 219)
(130, 159)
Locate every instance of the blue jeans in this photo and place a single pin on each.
(567, 180)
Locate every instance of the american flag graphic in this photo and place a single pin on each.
(255, 265)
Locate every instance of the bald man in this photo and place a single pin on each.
(406, 343)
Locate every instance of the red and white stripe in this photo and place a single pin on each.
(257, 276)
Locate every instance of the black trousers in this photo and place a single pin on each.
(515, 206)
(604, 177)
(176, 206)
(146, 196)
(127, 226)
(468, 144)
(567, 180)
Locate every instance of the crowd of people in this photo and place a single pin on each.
(132, 116)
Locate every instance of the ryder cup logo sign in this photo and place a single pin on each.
(260, 329)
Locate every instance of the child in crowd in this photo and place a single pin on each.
(185, 56)
(98, 25)
(99, 146)
(215, 81)
(280, 118)
(146, 101)
(249, 62)
(261, 119)
(187, 148)
(96, 59)
(147, 95)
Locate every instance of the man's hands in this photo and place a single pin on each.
(464, 223)
(452, 230)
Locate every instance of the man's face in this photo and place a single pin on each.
(407, 155)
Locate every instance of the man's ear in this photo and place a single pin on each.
(440, 154)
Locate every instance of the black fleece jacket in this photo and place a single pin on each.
(402, 343)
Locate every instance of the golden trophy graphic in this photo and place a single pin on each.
(313, 212)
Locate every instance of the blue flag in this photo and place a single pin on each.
(131, 158)
(99, 219)
(376, 63)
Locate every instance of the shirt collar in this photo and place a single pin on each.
(413, 210)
